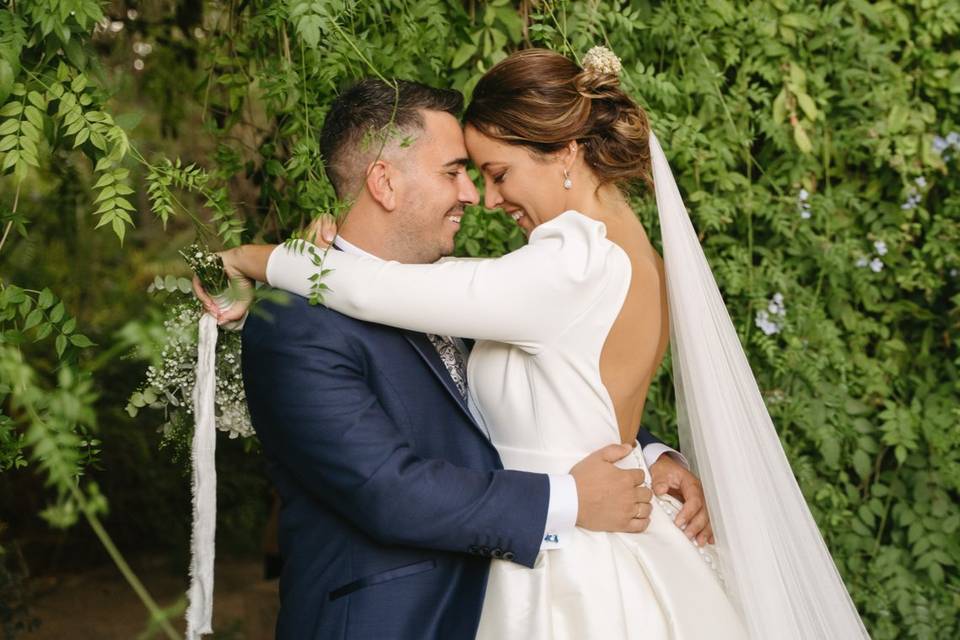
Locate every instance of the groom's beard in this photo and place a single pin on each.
(422, 234)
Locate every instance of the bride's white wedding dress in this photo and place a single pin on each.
(541, 316)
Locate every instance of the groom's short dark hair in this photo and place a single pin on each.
(358, 118)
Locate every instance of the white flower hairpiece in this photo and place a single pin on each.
(602, 60)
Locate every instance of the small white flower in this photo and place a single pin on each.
(602, 60)
(953, 273)
(921, 182)
(766, 325)
(803, 195)
(861, 262)
(881, 247)
(876, 265)
(953, 139)
(805, 214)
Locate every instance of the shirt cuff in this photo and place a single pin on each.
(652, 453)
(561, 511)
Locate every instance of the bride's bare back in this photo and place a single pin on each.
(638, 339)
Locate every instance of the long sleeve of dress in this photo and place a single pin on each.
(526, 298)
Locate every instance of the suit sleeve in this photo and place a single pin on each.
(644, 437)
(315, 413)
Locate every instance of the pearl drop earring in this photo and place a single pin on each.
(567, 182)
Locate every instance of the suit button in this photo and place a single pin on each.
(508, 555)
(474, 549)
(496, 553)
(485, 551)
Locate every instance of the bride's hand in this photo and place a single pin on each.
(669, 476)
(239, 292)
(322, 231)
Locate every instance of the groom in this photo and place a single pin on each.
(394, 499)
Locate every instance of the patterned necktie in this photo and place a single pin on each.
(452, 360)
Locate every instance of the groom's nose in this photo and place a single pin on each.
(468, 191)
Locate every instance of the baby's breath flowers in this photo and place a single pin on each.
(169, 386)
(602, 61)
(207, 266)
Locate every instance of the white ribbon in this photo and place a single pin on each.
(203, 455)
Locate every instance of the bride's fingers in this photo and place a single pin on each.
(313, 231)
(706, 536)
(328, 228)
(322, 230)
(692, 506)
(697, 525)
(208, 304)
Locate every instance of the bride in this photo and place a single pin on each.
(570, 331)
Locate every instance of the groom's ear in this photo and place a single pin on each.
(381, 184)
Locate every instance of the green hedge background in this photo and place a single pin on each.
(816, 144)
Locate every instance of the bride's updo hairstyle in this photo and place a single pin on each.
(542, 100)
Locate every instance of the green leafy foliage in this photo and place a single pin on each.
(812, 143)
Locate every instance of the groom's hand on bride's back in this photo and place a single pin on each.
(610, 498)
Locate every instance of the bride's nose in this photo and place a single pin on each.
(491, 197)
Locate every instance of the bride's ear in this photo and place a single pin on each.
(381, 184)
(567, 156)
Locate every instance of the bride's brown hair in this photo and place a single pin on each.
(542, 100)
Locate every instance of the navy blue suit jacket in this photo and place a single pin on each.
(393, 498)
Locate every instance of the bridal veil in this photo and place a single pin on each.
(778, 570)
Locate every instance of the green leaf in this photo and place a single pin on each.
(80, 340)
(464, 53)
(830, 450)
(43, 331)
(69, 326)
(807, 104)
(45, 299)
(6, 79)
(61, 344)
(862, 464)
(33, 319)
(800, 137)
(57, 314)
(12, 109)
(8, 127)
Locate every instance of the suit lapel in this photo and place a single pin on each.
(429, 354)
